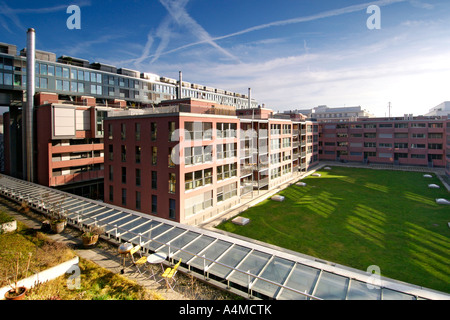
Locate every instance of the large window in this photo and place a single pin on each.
(197, 155)
(198, 130)
(197, 179)
(198, 203)
(226, 192)
(226, 171)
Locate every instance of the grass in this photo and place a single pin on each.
(362, 217)
(96, 283)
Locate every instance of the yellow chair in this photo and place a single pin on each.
(141, 261)
(169, 275)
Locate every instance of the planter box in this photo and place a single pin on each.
(8, 226)
(43, 276)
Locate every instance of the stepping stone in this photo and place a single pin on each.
(442, 201)
(316, 174)
(278, 198)
(240, 221)
(301, 184)
(427, 176)
(433, 186)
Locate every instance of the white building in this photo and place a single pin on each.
(442, 109)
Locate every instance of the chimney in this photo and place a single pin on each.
(180, 86)
(27, 117)
(249, 98)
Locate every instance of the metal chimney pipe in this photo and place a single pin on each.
(27, 118)
(180, 85)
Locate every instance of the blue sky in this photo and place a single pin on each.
(294, 54)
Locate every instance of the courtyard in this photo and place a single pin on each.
(360, 218)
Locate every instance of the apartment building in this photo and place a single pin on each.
(189, 160)
(419, 141)
(69, 144)
(178, 162)
(327, 114)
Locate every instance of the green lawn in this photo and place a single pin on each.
(362, 217)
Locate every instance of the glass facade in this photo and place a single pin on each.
(62, 77)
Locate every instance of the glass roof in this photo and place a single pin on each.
(264, 271)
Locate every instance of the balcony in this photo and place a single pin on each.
(246, 170)
(75, 177)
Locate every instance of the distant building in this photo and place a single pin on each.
(442, 109)
(326, 114)
(418, 141)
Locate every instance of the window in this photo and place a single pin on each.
(171, 156)
(198, 203)
(137, 130)
(124, 197)
(226, 192)
(172, 208)
(172, 182)
(138, 154)
(154, 130)
(123, 153)
(418, 135)
(154, 180)
(401, 125)
(385, 145)
(124, 175)
(418, 146)
(435, 136)
(370, 145)
(111, 193)
(417, 156)
(435, 146)
(385, 125)
(65, 73)
(171, 131)
(435, 125)
(198, 130)
(385, 155)
(110, 131)
(138, 200)
(418, 125)
(123, 131)
(138, 177)
(111, 173)
(401, 145)
(154, 155)
(226, 171)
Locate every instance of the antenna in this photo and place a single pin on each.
(389, 110)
